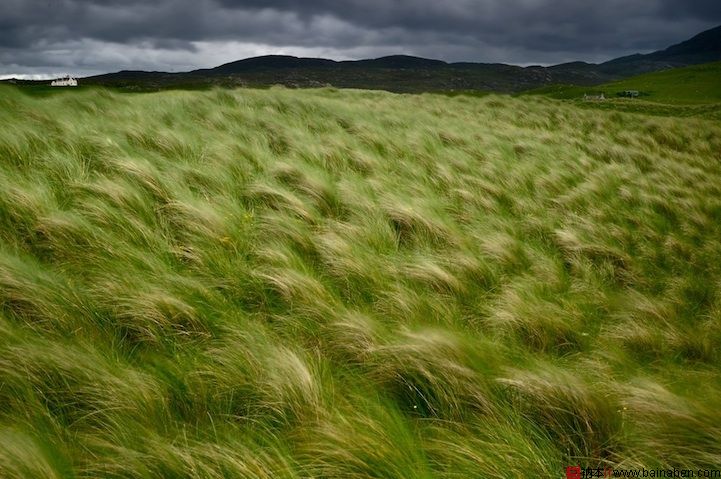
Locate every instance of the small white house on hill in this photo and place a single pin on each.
(65, 81)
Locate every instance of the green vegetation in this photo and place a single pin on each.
(352, 284)
(689, 91)
(698, 84)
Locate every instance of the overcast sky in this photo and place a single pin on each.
(80, 37)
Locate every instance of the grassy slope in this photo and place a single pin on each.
(689, 91)
(347, 284)
(687, 86)
(698, 84)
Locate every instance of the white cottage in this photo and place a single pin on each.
(65, 81)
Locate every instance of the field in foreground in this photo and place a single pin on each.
(326, 284)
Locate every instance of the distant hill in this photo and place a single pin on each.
(285, 62)
(402, 73)
(703, 48)
(269, 62)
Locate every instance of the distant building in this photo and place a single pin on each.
(600, 97)
(65, 81)
(630, 93)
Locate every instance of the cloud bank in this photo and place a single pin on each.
(93, 36)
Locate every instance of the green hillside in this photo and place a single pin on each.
(352, 284)
(693, 85)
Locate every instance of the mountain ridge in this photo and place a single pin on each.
(406, 73)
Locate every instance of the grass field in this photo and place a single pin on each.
(349, 284)
(688, 91)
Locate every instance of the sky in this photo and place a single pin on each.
(45, 38)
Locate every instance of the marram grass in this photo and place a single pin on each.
(349, 284)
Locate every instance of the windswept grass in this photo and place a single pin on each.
(351, 284)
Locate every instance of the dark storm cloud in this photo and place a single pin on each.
(96, 35)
